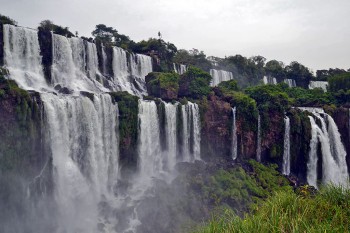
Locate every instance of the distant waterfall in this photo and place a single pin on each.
(334, 167)
(84, 145)
(290, 82)
(269, 80)
(318, 84)
(234, 134)
(22, 57)
(286, 152)
(220, 76)
(179, 68)
(129, 74)
(258, 148)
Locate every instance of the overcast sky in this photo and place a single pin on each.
(314, 32)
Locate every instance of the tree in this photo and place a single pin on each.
(300, 73)
(105, 34)
(48, 25)
(7, 20)
(275, 69)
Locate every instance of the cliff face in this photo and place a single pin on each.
(1, 45)
(45, 42)
(25, 162)
(216, 127)
(341, 117)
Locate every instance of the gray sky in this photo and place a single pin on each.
(313, 32)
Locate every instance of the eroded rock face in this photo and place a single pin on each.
(215, 132)
(341, 117)
(1, 46)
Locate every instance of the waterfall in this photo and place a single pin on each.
(75, 65)
(234, 134)
(220, 76)
(83, 141)
(141, 65)
(312, 162)
(170, 130)
(286, 152)
(180, 69)
(318, 84)
(22, 57)
(129, 74)
(190, 132)
(290, 82)
(269, 80)
(104, 61)
(334, 167)
(258, 149)
(150, 156)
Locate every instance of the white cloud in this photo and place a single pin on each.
(313, 32)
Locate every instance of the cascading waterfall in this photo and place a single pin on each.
(170, 130)
(334, 167)
(220, 76)
(290, 82)
(129, 75)
(22, 57)
(258, 148)
(84, 145)
(150, 156)
(71, 68)
(286, 152)
(269, 80)
(104, 61)
(312, 162)
(318, 84)
(234, 134)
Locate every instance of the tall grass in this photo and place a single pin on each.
(286, 211)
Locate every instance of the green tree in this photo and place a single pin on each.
(300, 73)
(104, 34)
(7, 20)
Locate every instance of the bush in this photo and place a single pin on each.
(339, 82)
(286, 211)
(195, 83)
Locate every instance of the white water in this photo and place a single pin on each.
(318, 84)
(70, 67)
(258, 148)
(75, 65)
(290, 82)
(22, 57)
(234, 134)
(312, 162)
(170, 131)
(191, 132)
(84, 145)
(286, 151)
(269, 80)
(180, 69)
(129, 74)
(334, 167)
(220, 76)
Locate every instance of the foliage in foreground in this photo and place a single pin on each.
(287, 211)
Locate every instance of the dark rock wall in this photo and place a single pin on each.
(1, 45)
(45, 42)
(216, 128)
(341, 118)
